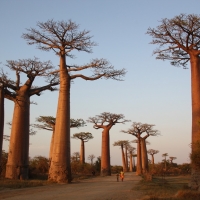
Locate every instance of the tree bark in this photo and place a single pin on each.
(195, 78)
(145, 167)
(126, 157)
(139, 162)
(105, 154)
(1, 118)
(152, 159)
(60, 169)
(82, 152)
(123, 158)
(18, 155)
(131, 163)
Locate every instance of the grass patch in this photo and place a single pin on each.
(167, 188)
(16, 184)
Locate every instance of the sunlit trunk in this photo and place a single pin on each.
(1, 118)
(126, 158)
(60, 169)
(18, 155)
(123, 158)
(145, 167)
(105, 153)
(195, 78)
(51, 146)
(82, 152)
(131, 163)
(139, 160)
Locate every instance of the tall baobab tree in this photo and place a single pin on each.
(122, 143)
(64, 37)
(165, 160)
(18, 155)
(91, 158)
(152, 152)
(131, 153)
(171, 158)
(49, 122)
(84, 137)
(141, 132)
(106, 121)
(178, 41)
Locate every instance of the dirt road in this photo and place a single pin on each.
(98, 188)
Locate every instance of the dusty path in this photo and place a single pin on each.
(98, 188)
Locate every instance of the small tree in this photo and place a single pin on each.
(165, 160)
(171, 158)
(122, 143)
(84, 137)
(152, 152)
(91, 158)
(106, 121)
(64, 37)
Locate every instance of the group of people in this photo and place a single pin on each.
(121, 175)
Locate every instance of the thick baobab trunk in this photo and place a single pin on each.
(1, 118)
(105, 154)
(82, 152)
(131, 163)
(145, 167)
(195, 78)
(18, 155)
(123, 158)
(126, 158)
(60, 169)
(139, 160)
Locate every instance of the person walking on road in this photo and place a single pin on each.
(122, 175)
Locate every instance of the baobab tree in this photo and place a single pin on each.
(64, 37)
(152, 152)
(142, 132)
(18, 156)
(49, 122)
(171, 158)
(106, 121)
(178, 41)
(91, 158)
(122, 143)
(131, 153)
(84, 137)
(165, 160)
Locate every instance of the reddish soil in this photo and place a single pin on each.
(97, 188)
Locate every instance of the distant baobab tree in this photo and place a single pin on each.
(84, 137)
(165, 160)
(178, 41)
(131, 153)
(76, 156)
(171, 158)
(152, 152)
(91, 158)
(64, 37)
(48, 123)
(106, 121)
(142, 132)
(18, 155)
(122, 143)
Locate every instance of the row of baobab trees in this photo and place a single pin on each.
(178, 40)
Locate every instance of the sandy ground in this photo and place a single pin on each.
(97, 188)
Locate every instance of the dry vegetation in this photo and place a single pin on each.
(172, 187)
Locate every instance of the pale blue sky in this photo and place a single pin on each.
(152, 92)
